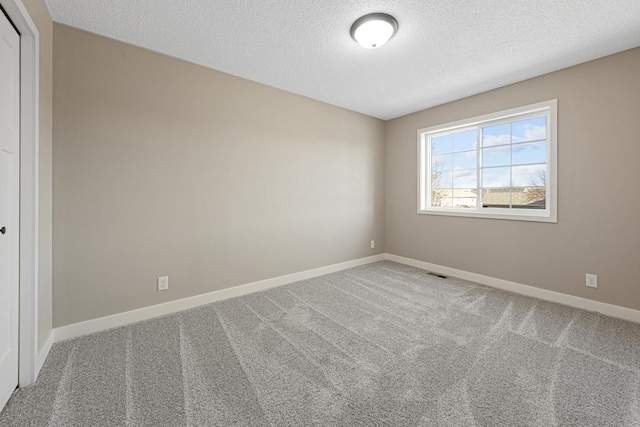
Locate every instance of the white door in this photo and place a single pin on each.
(9, 200)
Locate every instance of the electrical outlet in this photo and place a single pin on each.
(592, 280)
(163, 283)
(373, 244)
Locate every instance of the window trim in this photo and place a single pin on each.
(550, 214)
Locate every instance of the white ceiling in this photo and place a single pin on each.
(444, 50)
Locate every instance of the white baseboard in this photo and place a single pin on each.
(120, 319)
(42, 356)
(571, 300)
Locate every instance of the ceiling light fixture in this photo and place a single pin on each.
(373, 30)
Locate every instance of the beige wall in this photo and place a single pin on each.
(40, 16)
(162, 167)
(598, 229)
(166, 168)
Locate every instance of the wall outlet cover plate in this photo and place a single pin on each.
(163, 283)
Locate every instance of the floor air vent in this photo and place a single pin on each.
(431, 273)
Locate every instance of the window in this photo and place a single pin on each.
(501, 165)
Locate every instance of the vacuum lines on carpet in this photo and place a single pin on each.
(379, 345)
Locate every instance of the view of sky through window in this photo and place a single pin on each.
(496, 166)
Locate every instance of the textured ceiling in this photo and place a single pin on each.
(444, 50)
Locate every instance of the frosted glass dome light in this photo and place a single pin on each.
(373, 30)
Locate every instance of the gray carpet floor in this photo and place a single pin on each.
(378, 345)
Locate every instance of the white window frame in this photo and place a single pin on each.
(549, 214)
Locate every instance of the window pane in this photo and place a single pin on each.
(465, 178)
(529, 198)
(497, 156)
(463, 202)
(496, 198)
(465, 198)
(442, 144)
(530, 129)
(529, 176)
(447, 202)
(465, 160)
(441, 197)
(496, 135)
(441, 162)
(441, 179)
(467, 140)
(533, 152)
(496, 177)
(465, 192)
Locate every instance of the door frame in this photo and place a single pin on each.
(29, 188)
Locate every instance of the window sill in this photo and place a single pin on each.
(543, 216)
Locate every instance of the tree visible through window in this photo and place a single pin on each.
(492, 165)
